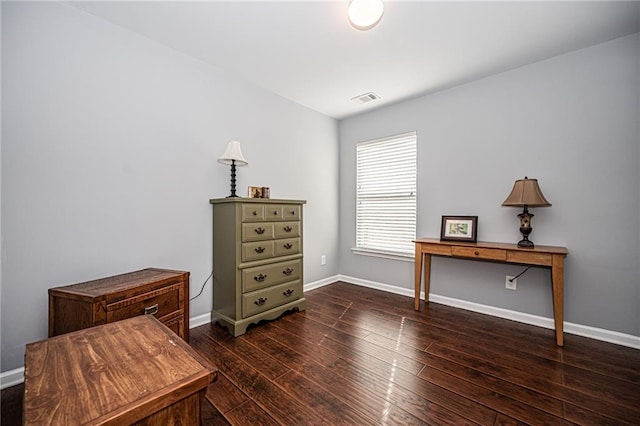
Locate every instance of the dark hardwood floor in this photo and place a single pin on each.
(359, 356)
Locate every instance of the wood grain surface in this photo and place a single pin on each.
(120, 372)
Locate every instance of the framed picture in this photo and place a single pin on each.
(459, 228)
(259, 192)
(266, 192)
(255, 192)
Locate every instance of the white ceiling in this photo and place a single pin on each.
(307, 51)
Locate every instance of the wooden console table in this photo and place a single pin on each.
(546, 256)
(134, 371)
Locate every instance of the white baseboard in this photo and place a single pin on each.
(571, 328)
(199, 320)
(15, 377)
(11, 377)
(321, 283)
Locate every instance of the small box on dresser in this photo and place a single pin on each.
(257, 260)
(162, 293)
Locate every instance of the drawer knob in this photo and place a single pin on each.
(288, 229)
(287, 293)
(288, 271)
(261, 301)
(293, 212)
(260, 277)
(255, 213)
(260, 231)
(288, 246)
(477, 253)
(259, 249)
(275, 213)
(151, 310)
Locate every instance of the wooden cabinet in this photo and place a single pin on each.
(159, 292)
(257, 260)
(127, 372)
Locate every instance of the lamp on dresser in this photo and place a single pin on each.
(526, 193)
(233, 156)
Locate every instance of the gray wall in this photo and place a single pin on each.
(109, 143)
(109, 148)
(572, 123)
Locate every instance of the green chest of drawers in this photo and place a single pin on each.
(257, 260)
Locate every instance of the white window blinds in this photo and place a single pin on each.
(386, 194)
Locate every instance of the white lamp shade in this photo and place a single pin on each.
(365, 14)
(233, 153)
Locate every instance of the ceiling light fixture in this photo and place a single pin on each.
(365, 14)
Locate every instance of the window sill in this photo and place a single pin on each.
(404, 257)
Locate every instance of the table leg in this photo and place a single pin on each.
(427, 275)
(557, 283)
(418, 273)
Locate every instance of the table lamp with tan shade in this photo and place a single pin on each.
(526, 193)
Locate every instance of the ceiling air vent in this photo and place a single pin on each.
(366, 98)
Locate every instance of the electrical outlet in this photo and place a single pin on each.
(510, 282)
(323, 260)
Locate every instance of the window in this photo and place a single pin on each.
(386, 195)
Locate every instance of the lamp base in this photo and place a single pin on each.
(233, 180)
(525, 228)
(525, 243)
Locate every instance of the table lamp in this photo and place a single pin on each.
(526, 193)
(233, 156)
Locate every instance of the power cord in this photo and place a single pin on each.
(202, 288)
(511, 280)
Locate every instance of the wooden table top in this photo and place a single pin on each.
(119, 283)
(118, 372)
(503, 246)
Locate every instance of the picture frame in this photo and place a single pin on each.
(255, 192)
(266, 192)
(259, 192)
(459, 228)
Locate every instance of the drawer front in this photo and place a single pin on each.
(268, 275)
(479, 253)
(257, 231)
(528, 257)
(268, 298)
(252, 213)
(257, 250)
(287, 229)
(176, 324)
(287, 246)
(442, 250)
(291, 212)
(159, 303)
(273, 212)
